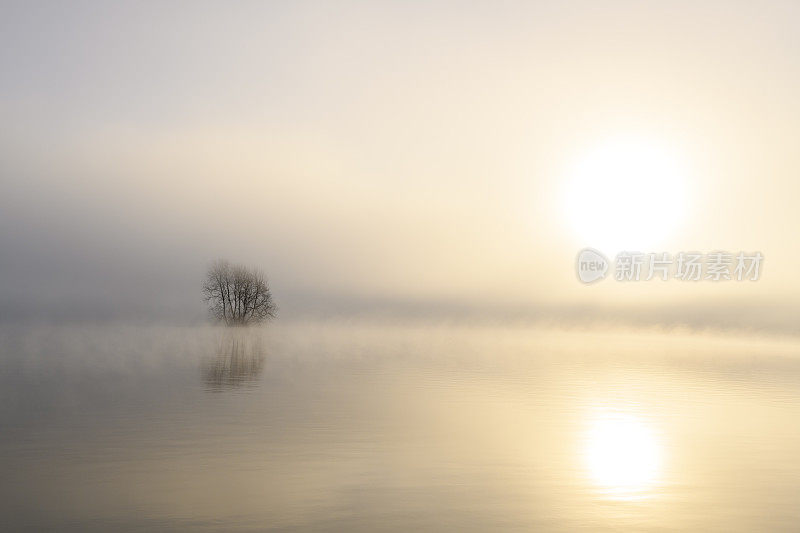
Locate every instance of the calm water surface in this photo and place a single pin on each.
(352, 427)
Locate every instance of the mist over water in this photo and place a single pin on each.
(358, 426)
(416, 181)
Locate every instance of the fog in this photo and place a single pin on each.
(381, 159)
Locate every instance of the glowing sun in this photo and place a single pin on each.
(625, 194)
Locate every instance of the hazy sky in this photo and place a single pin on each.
(412, 155)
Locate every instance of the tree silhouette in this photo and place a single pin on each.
(237, 295)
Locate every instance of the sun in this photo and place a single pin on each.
(625, 194)
(623, 455)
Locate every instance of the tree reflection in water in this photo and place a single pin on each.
(238, 363)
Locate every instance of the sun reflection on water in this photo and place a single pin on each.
(623, 455)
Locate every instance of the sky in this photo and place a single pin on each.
(410, 158)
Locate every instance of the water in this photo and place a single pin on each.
(355, 427)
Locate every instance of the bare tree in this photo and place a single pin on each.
(237, 295)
